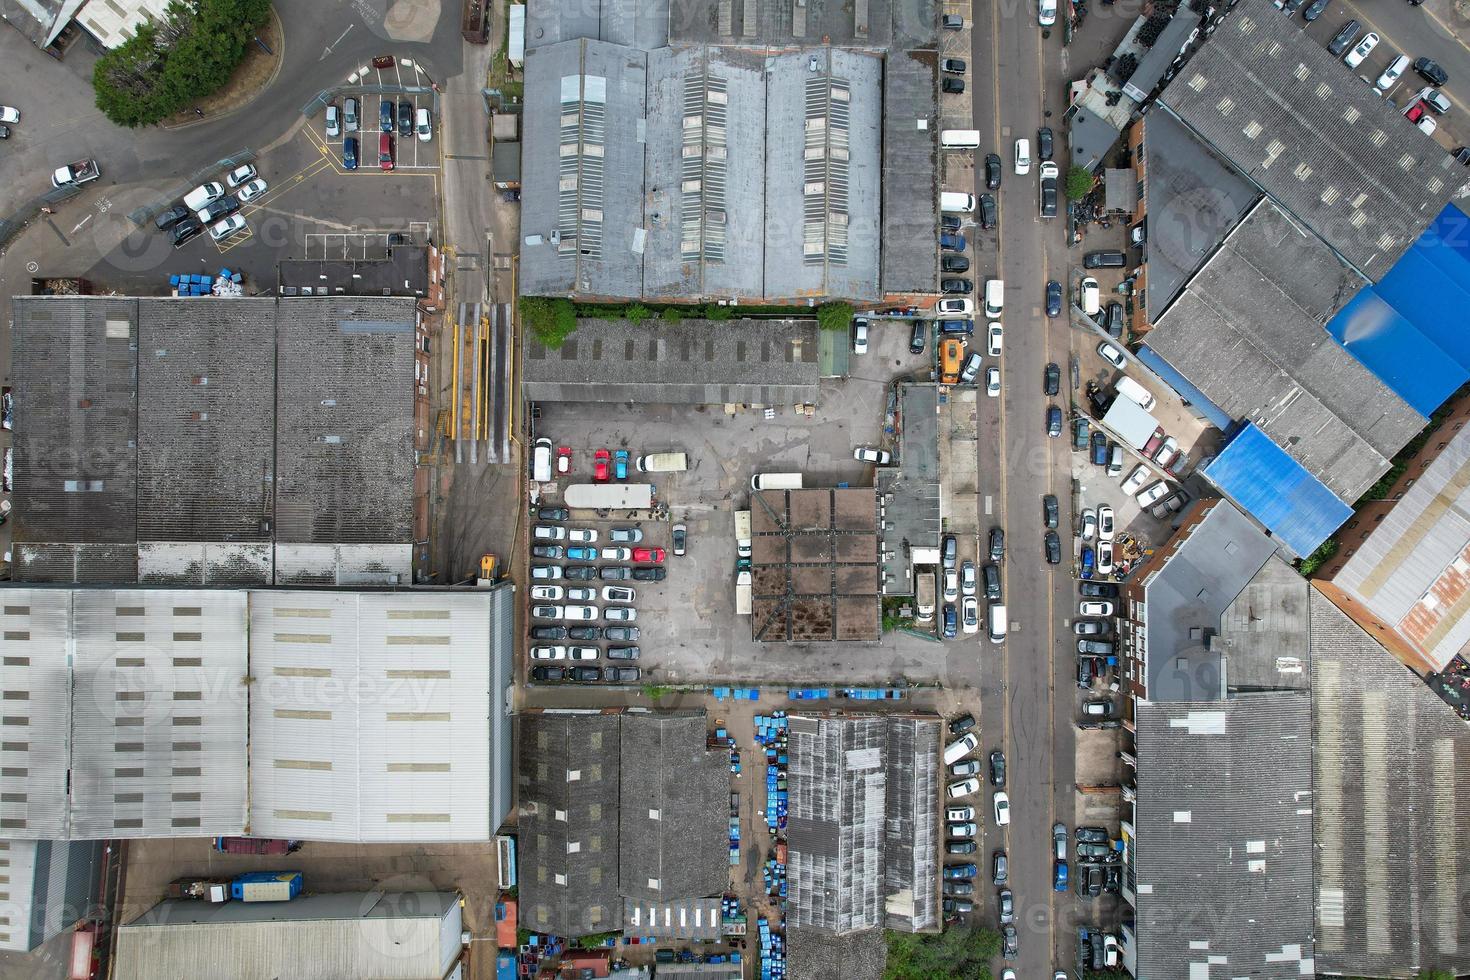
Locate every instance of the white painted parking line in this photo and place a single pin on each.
(989, 505)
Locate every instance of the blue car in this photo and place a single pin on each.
(957, 326)
(1087, 565)
(951, 621)
(385, 116)
(579, 553)
(349, 153)
(959, 872)
(1059, 876)
(952, 243)
(1053, 299)
(620, 464)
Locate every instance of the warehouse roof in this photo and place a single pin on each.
(640, 24)
(685, 918)
(1391, 771)
(910, 860)
(1248, 332)
(696, 362)
(1263, 632)
(370, 935)
(910, 172)
(1333, 151)
(771, 23)
(1222, 850)
(813, 953)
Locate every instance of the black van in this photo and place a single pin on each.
(1104, 260)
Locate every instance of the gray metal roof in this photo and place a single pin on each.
(1187, 595)
(674, 828)
(862, 823)
(699, 971)
(910, 173)
(1332, 150)
(698, 362)
(1410, 570)
(908, 493)
(1161, 55)
(642, 24)
(1249, 332)
(367, 935)
(813, 953)
(1193, 198)
(773, 23)
(44, 886)
(1391, 768)
(1222, 850)
(1263, 633)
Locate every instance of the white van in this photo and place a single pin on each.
(956, 201)
(998, 625)
(663, 463)
(1135, 392)
(541, 461)
(959, 139)
(776, 481)
(995, 298)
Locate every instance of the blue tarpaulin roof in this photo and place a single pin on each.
(1277, 491)
(1188, 391)
(1409, 327)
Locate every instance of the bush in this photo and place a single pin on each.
(551, 320)
(1079, 182)
(955, 952)
(637, 313)
(671, 314)
(1318, 558)
(169, 64)
(714, 311)
(834, 316)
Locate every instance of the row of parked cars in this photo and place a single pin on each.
(213, 205)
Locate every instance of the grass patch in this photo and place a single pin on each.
(956, 952)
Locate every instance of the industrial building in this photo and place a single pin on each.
(315, 715)
(624, 820)
(45, 888)
(863, 826)
(364, 935)
(257, 441)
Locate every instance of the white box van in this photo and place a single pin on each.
(776, 481)
(663, 463)
(998, 625)
(995, 298)
(959, 139)
(541, 461)
(1135, 392)
(956, 201)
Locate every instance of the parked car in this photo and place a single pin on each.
(171, 217)
(993, 168)
(1095, 648)
(1053, 421)
(654, 555)
(951, 621)
(1113, 355)
(385, 151)
(625, 535)
(960, 847)
(349, 153)
(1098, 590)
(679, 535)
(859, 336)
(1365, 47)
(999, 868)
(240, 175)
(586, 674)
(963, 814)
(952, 86)
(1089, 524)
(1431, 72)
(1095, 607)
(1314, 10)
(620, 464)
(581, 573)
(405, 119)
(385, 115)
(622, 633)
(221, 230)
(864, 454)
(614, 573)
(1099, 449)
(620, 614)
(947, 547)
(959, 872)
(1051, 380)
(648, 573)
(621, 675)
(952, 243)
(423, 125)
(954, 66)
(1053, 299)
(997, 768)
(962, 724)
(962, 788)
(548, 632)
(1006, 906)
(1102, 708)
(544, 673)
(1049, 510)
(1002, 806)
(1344, 38)
(1053, 548)
(1136, 479)
(954, 263)
(601, 465)
(1152, 493)
(349, 116)
(584, 632)
(918, 337)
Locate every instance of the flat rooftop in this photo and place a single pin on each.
(402, 270)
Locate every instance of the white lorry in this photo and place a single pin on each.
(742, 533)
(742, 593)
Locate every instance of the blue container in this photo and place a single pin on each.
(266, 886)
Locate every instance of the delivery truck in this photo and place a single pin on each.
(742, 593)
(742, 533)
(924, 593)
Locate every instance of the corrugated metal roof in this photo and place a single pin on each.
(363, 935)
(1277, 491)
(35, 672)
(909, 241)
(44, 887)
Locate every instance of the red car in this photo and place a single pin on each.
(1416, 112)
(564, 459)
(648, 554)
(385, 151)
(600, 461)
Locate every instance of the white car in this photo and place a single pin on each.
(865, 455)
(993, 339)
(581, 594)
(582, 535)
(548, 532)
(1023, 157)
(1391, 74)
(1113, 355)
(617, 554)
(423, 126)
(959, 814)
(241, 174)
(1095, 607)
(579, 612)
(1046, 12)
(951, 585)
(992, 381)
(970, 614)
(221, 230)
(203, 196)
(547, 593)
(1152, 494)
(1091, 296)
(252, 190)
(860, 336)
(962, 787)
(618, 593)
(549, 653)
(1104, 523)
(1167, 452)
(9, 115)
(547, 612)
(1104, 559)
(584, 653)
(1002, 809)
(546, 573)
(964, 307)
(620, 614)
(1136, 479)
(967, 578)
(1089, 524)
(625, 535)
(1427, 125)
(1355, 57)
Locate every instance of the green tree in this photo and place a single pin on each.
(835, 316)
(1318, 558)
(1079, 182)
(956, 952)
(714, 311)
(1434, 975)
(551, 320)
(168, 64)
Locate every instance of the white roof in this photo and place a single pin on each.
(1132, 424)
(36, 721)
(370, 716)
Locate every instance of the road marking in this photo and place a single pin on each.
(78, 226)
(989, 505)
(336, 42)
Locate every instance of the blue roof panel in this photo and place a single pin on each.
(1214, 413)
(1274, 489)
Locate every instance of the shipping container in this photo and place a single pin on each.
(254, 845)
(266, 886)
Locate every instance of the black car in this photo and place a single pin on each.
(1095, 648)
(623, 653)
(957, 285)
(1094, 876)
(1053, 299)
(950, 222)
(1053, 422)
(957, 846)
(1462, 155)
(614, 573)
(552, 551)
(954, 263)
(1049, 511)
(1099, 449)
(405, 119)
(1051, 380)
(1113, 879)
(989, 213)
(621, 633)
(1344, 38)
(998, 769)
(548, 632)
(962, 724)
(991, 574)
(997, 544)
(918, 337)
(1091, 835)
(1087, 669)
(385, 115)
(585, 632)
(1104, 260)
(999, 870)
(621, 675)
(1044, 146)
(171, 217)
(956, 906)
(955, 66)
(648, 573)
(1430, 71)
(951, 621)
(580, 573)
(947, 552)
(186, 230)
(953, 86)
(992, 171)
(548, 673)
(1098, 590)
(1113, 324)
(1053, 548)
(223, 208)
(959, 889)
(553, 514)
(1291, 6)
(585, 673)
